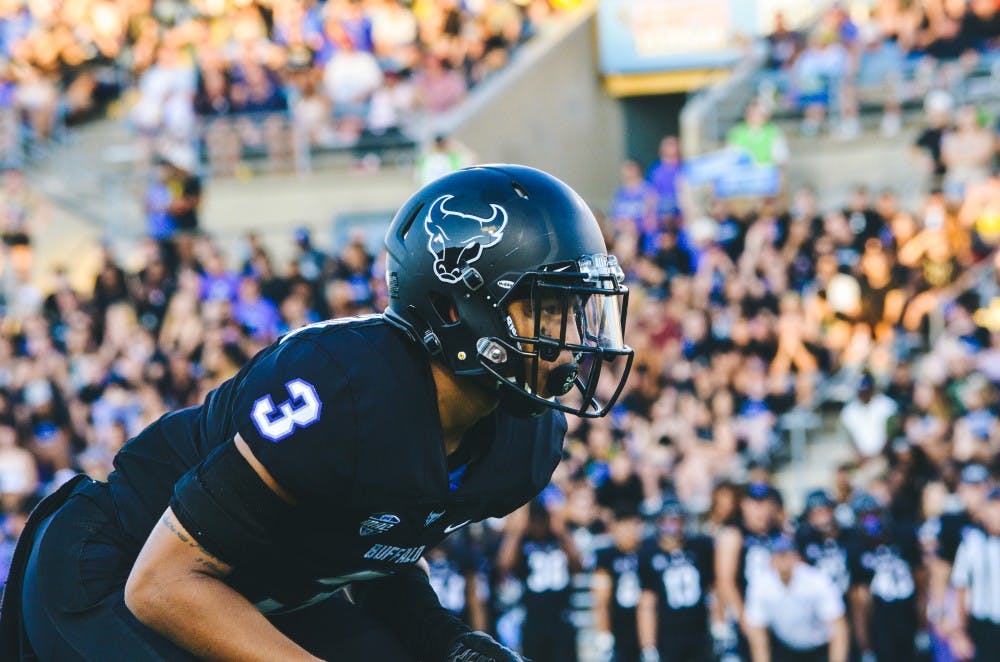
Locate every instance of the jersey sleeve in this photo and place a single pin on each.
(860, 575)
(949, 537)
(648, 576)
(706, 557)
(296, 412)
(961, 570)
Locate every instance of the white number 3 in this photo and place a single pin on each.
(301, 410)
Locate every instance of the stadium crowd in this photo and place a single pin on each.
(662, 534)
(886, 54)
(272, 76)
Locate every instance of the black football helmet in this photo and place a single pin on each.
(468, 244)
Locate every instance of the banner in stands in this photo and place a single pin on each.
(731, 173)
(645, 36)
(662, 46)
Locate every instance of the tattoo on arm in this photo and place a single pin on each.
(205, 559)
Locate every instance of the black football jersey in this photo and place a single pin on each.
(544, 569)
(682, 580)
(623, 567)
(887, 566)
(755, 556)
(829, 554)
(951, 529)
(343, 414)
(452, 566)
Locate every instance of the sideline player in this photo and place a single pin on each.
(615, 587)
(677, 575)
(342, 452)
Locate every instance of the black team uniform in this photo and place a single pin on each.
(623, 568)
(320, 409)
(885, 559)
(681, 580)
(548, 632)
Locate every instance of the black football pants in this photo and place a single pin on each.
(74, 608)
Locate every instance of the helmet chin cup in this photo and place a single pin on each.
(562, 378)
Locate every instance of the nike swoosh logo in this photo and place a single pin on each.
(455, 527)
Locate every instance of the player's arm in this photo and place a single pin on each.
(645, 616)
(509, 554)
(727, 564)
(840, 640)
(178, 588)
(601, 587)
(474, 603)
(860, 597)
(755, 623)
(831, 609)
(961, 643)
(558, 519)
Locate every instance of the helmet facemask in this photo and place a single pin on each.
(571, 335)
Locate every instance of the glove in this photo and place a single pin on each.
(481, 647)
(649, 655)
(604, 647)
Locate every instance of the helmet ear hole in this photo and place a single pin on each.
(445, 308)
(404, 229)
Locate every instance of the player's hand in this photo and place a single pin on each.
(481, 647)
(962, 646)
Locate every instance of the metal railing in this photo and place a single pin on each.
(710, 112)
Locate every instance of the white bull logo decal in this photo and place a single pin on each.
(458, 239)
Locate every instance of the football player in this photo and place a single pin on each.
(744, 550)
(342, 452)
(677, 574)
(538, 550)
(822, 542)
(886, 571)
(615, 587)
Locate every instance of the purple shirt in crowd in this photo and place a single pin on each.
(260, 317)
(630, 203)
(663, 178)
(219, 287)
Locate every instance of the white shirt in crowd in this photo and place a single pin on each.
(977, 569)
(799, 614)
(866, 423)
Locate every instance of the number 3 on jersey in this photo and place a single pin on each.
(301, 410)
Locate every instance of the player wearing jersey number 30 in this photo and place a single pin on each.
(341, 453)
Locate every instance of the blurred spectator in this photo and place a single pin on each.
(439, 87)
(635, 201)
(937, 111)
(784, 43)
(822, 542)
(184, 187)
(762, 139)
(442, 156)
(966, 153)
(664, 176)
(866, 419)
